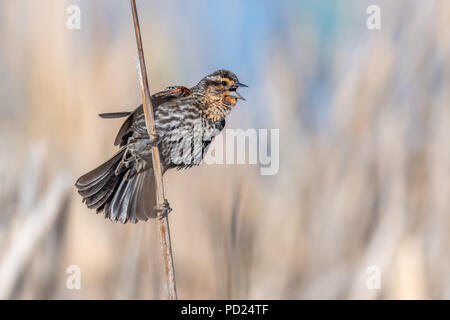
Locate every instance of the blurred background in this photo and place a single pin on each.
(364, 177)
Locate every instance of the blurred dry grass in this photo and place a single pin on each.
(369, 187)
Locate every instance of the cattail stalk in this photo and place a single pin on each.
(164, 231)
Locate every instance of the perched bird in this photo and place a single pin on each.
(186, 121)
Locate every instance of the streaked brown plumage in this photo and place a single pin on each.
(186, 122)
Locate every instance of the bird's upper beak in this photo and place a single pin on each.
(234, 93)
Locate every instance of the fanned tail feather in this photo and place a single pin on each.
(120, 199)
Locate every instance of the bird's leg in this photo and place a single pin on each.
(145, 148)
(141, 148)
(154, 139)
(164, 210)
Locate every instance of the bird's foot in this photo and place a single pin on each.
(164, 210)
(145, 149)
(154, 139)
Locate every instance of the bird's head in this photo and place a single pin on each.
(219, 91)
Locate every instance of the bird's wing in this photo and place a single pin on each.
(170, 114)
(167, 95)
(170, 93)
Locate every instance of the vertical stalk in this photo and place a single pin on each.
(164, 231)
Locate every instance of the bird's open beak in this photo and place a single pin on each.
(234, 93)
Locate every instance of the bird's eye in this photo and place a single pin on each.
(224, 83)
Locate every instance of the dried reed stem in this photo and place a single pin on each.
(164, 231)
(34, 225)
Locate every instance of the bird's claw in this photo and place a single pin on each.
(164, 210)
(154, 139)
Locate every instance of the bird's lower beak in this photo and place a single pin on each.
(235, 94)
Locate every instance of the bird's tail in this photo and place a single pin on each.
(120, 199)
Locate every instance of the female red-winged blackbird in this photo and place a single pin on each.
(186, 121)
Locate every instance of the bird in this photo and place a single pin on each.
(186, 122)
